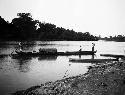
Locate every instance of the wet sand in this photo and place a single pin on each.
(101, 79)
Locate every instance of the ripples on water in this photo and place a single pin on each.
(20, 73)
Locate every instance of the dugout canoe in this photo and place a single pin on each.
(22, 53)
(91, 60)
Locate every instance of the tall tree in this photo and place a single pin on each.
(26, 26)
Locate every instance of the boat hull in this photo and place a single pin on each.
(112, 55)
(77, 53)
(91, 60)
(55, 53)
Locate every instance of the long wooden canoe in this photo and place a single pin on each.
(112, 55)
(55, 53)
(91, 60)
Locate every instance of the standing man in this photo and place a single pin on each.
(93, 45)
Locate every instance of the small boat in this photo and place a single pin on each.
(54, 52)
(91, 60)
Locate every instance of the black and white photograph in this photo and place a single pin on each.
(62, 47)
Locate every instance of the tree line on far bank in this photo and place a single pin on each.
(26, 28)
(118, 38)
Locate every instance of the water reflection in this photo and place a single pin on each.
(22, 63)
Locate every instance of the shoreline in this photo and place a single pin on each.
(101, 79)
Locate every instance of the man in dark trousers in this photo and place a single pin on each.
(93, 45)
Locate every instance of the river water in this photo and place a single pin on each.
(18, 73)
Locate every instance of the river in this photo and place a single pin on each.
(24, 72)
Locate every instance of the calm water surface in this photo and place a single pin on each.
(21, 73)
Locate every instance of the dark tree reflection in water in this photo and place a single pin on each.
(23, 64)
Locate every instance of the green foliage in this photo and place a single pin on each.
(26, 28)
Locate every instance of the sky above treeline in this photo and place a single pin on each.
(99, 17)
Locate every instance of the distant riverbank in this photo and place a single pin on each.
(101, 79)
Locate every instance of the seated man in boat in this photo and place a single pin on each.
(20, 46)
(80, 48)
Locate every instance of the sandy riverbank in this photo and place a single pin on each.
(101, 79)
